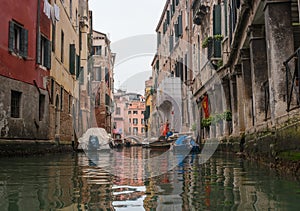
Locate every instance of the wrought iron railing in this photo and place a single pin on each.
(292, 65)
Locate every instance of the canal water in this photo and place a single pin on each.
(76, 182)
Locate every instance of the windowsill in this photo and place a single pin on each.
(13, 53)
(42, 67)
(16, 118)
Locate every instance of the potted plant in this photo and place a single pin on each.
(206, 122)
(210, 39)
(207, 41)
(227, 116)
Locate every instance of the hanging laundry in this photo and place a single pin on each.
(47, 8)
(56, 12)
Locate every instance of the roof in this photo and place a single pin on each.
(162, 15)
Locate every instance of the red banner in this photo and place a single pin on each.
(205, 106)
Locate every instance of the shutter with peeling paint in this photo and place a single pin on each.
(38, 49)
(179, 25)
(24, 43)
(11, 36)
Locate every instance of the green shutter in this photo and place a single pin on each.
(217, 30)
(217, 19)
(11, 36)
(168, 17)
(72, 59)
(158, 38)
(77, 66)
(38, 49)
(173, 7)
(24, 43)
(48, 54)
(53, 36)
(179, 25)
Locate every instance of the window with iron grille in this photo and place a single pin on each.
(41, 107)
(15, 104)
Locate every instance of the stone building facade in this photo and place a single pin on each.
(172, 75)
(128, 116)
(242, 67)
(24, 113)
(63, 85)
(102, 81)
(135, 124)
(50, 42)
(148, 105)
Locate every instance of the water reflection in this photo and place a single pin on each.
(75, 182)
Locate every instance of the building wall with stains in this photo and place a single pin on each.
(23, 95)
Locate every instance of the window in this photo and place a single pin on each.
(118, 111)
(18, 39)
(135, 112)
(76, 20)
(129, 120)
(135, 121)
(41, 107)
(97, 73)
(70, 104)
(129, 112)
(71, 9)
(53, 36)
(217, 30)
(135, 130)
(61, 97)
(158, 39)
(62, 43)
(143, 130)
(15, 104)
(44, 52)
(72, 57)
(142, 121)
(97, 50)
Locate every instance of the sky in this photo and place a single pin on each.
(130, 25)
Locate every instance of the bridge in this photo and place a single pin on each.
(135, 139)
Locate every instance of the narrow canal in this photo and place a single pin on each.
(74, 182)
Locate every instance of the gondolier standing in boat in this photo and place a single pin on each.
(166, 128)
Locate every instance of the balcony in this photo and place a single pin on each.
(200, 9)
(213, 45)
